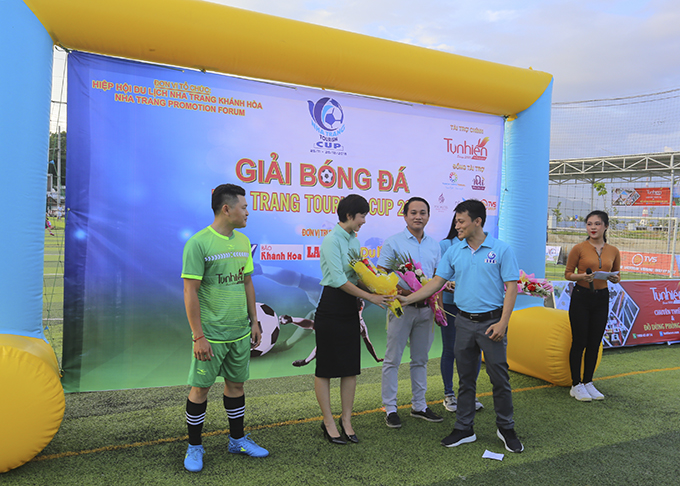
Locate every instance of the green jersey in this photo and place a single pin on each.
(221, 264)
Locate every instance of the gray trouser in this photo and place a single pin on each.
(470, 340)
(416, 324)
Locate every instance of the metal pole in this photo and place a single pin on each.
(592, 194)
(675, 235)
(58, 168)
(671, 218)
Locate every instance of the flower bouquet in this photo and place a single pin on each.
(529, 285)
(412, 273)
(376, 281)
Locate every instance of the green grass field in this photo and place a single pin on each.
(132, 437)
(138, 436)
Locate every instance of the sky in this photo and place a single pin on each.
(594, 49)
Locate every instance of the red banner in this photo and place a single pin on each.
(640, 312)
(649, 263)
(658, 317)
(641, 196)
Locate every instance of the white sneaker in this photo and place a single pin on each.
(450, 403)
(478, 405)
(580, 393)
(593, 392)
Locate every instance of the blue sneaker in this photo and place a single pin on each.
(193, 461)
(245, 445)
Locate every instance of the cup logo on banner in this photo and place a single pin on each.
(328, 119)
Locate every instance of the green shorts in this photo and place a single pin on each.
(231, 361)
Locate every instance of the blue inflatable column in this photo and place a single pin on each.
(524, 189)
(25, 90)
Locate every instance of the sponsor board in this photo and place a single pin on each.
(641, 196)
(640, 312)
(649, 263)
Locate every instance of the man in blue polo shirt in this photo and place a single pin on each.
(416, 324)
(483, 267)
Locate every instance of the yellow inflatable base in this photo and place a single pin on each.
(32, 406)
(539, 340)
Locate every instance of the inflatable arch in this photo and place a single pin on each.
(208, 36)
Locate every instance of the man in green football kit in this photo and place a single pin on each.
(220, 303)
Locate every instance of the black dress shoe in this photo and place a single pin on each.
(351, 438)
(332, 440)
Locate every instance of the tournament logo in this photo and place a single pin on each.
(328, 119)
(490, 257)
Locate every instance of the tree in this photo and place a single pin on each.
(52, 156)
(557, 213)
(601, 188)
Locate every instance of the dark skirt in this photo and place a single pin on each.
(338, 335)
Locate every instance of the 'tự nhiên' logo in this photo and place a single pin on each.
(465, 151)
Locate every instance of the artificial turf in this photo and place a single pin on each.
(138, 436)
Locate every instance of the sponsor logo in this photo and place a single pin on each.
(468, 151)
(453, 178)
(478, 183)
(666, 296)
(271, 252)
(491, 257)
(490, 205)
(313, 252)
(638, 259)
(328, 119)
(231, 278)
(440, 207)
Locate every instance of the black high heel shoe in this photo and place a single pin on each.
(352, 438)
(332, 440)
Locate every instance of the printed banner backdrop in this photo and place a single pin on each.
(641, 196)
(552, 253)
(147, 144)
(649, 263)
(640, 312)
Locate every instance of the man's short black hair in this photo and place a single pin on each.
(226, 194)
(352, 205)
(416, 198)
(474, 208)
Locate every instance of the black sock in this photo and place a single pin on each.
(195, 417)
(235, 408)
